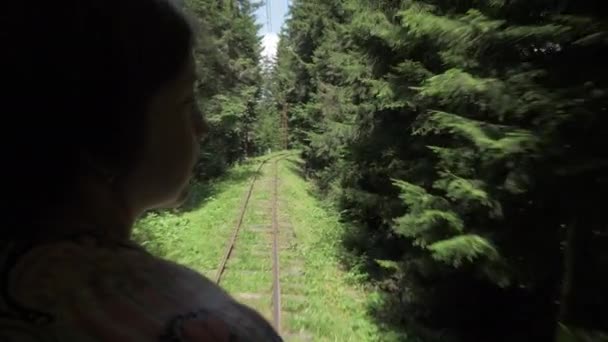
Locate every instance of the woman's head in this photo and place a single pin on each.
(99, 90)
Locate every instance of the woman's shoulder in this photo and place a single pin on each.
(94, 290)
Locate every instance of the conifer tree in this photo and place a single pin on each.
(462, 139)
(228, 56)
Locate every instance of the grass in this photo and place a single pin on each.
(335, 307)
(249, 268)
(197, 238)
(320, 300)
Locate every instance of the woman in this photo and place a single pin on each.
(99, 126)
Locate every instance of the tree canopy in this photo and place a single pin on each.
(464, 141)
(230, 80)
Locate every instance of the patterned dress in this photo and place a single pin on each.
(89, 289)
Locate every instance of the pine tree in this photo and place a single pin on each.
(463, 140)
(268, 134)
(228, 62)
(501, 120)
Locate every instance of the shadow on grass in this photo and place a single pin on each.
(202, 191)
(358, 250)
(297, 166)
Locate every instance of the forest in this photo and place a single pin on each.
(462, 142)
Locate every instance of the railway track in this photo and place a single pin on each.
(274, 232)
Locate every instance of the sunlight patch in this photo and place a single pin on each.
(269, 44)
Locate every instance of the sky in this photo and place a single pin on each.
(270, 33)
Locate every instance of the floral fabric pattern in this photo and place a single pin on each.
(90, 289)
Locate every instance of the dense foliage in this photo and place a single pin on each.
(464, 140)
(268, 129)
(228, 56)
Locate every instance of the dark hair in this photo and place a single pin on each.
(77, 75)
